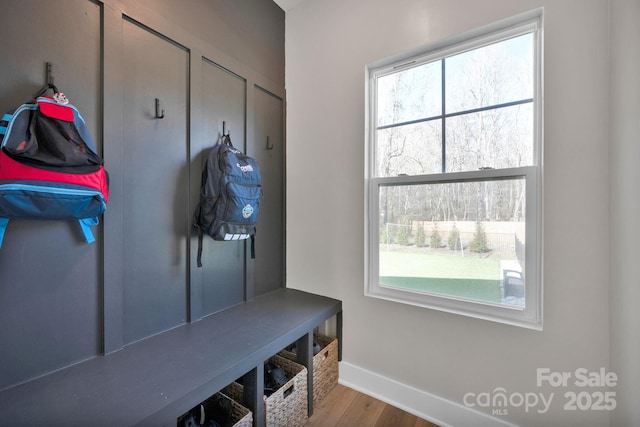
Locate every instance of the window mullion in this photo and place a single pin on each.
(444, 118)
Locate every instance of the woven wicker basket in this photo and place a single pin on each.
(287, 406)
(240, 416)
(325, 366)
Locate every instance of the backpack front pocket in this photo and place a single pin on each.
(47, 202)
(243, 204)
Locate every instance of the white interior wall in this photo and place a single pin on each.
(328, 44)
(625, 207)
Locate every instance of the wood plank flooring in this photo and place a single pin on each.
(345, 407)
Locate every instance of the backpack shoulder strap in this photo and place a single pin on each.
(200, 247)
(3, 227)
(85, 225)
(253, 246)
(3, 126)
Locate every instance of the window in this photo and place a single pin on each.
(453, 175)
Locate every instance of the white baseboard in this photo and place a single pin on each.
(430, 407)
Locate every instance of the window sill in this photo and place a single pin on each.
(513, 316)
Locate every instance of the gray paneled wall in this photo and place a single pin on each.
(62, 300)
(50, 282)
(223, 104)
(268, 150)
(155, 182)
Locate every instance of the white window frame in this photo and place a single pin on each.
(531, 315)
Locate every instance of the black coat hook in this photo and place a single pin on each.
(269, 147)
(48, 81)
(49, 76)
(159, 115)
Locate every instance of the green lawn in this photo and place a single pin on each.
(442, 273)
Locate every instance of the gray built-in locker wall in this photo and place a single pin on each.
(62, 300)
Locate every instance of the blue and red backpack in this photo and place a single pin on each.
(49, 168)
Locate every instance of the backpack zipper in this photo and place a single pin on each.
(54, 190)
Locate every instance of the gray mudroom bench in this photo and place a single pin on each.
(154, 381)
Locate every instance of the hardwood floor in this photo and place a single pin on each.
(346, 407)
